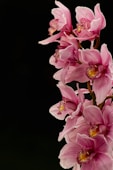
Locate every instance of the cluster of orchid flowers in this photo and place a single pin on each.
(87, 112)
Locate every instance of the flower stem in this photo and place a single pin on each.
(91, 93)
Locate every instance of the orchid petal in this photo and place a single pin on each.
(101, 87)
(93, 115)
(104, 161)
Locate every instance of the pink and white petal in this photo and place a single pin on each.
(103, 161)
(67, 92)
(108, 115)
(67, 163)
(67, 13)
(93, 115)
(67, 53)
(57, 75)
(95, 25)
(65, 71)
(101, 87)
(110, 135)
(83, 12)
(105, 55)
(84, 141)
(90, 165)
(79, 127)
(69, 125)
(76, 167)
(85, 35)
(54, 111)
(60, 5)
(61, 74)
(90, 56)
(77, 74)
(50, 39)
(68, 155)
(59, 64)
(99, 14)
(101, 144)
(77, 111)
(71, 136)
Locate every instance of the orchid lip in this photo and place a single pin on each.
(94, 131)
(92, 72)
(83, 156)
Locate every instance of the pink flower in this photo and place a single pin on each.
(89, 23)
(90, 154)
(96, 67)
(73, 125)
(100, 121)
(66, 53)
(72, 73)
(75, 122)
(103, 84)
(61, 23)
(68, 105)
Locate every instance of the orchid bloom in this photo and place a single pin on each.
(76, 119)
(66, 53)
(96, 66)
(89, 23)
(86, 152)
(69, 105)
(100, 121)
(99, 71)
(73, 125)
(61, 23)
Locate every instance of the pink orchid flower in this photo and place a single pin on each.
(73, 125)
(100, 121)
(72, 73)
(87, 153)
(68, 105)
(76, 119)
(76, 124)
(61, 23)
(100, 71)
(89, 23)
(66, 53)
(96, 66)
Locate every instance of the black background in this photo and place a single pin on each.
(28, 133)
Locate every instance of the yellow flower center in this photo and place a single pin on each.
(94, 131)
(79, 28)
(61, 108)
(92, 72)
(83, 156)
(51, 31)
(56, 55)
